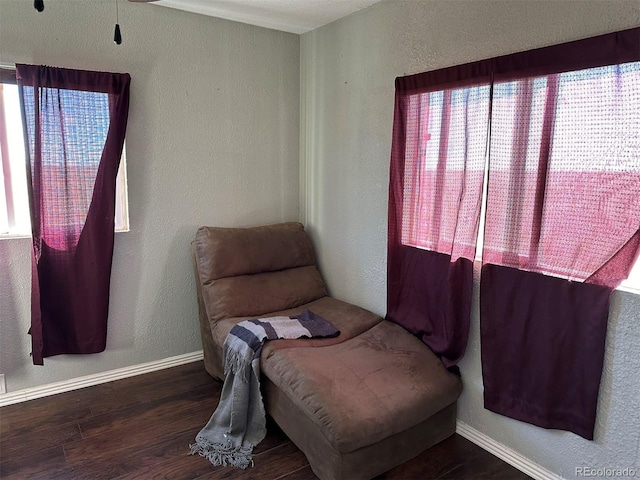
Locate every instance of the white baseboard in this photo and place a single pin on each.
(512, 457)
(97, 378)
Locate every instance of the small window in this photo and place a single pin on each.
(14, 200)
(15, 219)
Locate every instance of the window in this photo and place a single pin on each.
(563, 201)
(14, 199)
(561, 218)
(14, 202)
(587, 151)
(449, 165)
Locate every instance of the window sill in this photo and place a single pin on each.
(18, 236)
(629, 289)
(622, 288)
(12, 236)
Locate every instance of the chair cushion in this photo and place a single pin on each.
(253, 271)
(261, 293)
(365, 389)
(349, 319)
(227, 252)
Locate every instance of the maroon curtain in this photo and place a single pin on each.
(75, 124)
(543, 342)
(436, 177)
(562, 225)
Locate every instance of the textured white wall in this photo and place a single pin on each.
(212, 140)
(347, 90)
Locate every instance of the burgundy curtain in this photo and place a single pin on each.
(562, 225)
(75, 124)
(436, 176)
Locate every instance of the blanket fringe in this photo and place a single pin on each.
(223, 455)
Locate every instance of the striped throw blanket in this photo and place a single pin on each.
(239, 422)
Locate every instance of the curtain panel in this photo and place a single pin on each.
(75, 123)
(435, 193)
(562, 227)
(562, 223)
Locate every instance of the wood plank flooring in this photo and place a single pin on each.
(141, 427)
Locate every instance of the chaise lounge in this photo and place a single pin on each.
(357, 404)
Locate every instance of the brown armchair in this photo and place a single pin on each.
(358, 404)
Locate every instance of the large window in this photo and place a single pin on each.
(573, 120)
(14, 199)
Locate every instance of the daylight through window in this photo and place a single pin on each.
(14, 198)
(589, 149)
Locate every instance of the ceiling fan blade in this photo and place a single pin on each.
(143, 1)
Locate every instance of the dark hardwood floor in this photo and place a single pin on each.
(141, 427)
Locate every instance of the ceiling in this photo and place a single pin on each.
(295, 16)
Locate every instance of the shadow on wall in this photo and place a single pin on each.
(15, 316)
(606, 382)
(124, 294)
(172, 303)
(620, 382)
